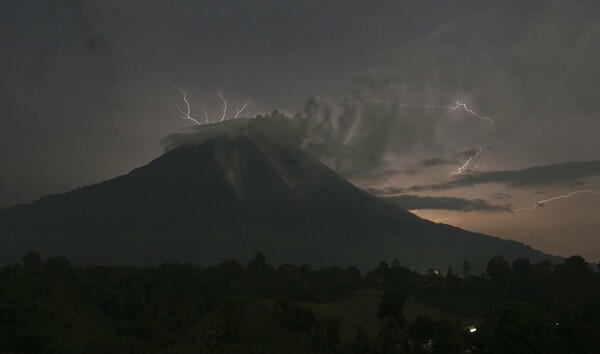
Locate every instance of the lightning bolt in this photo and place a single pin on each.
(220, 92)
(240, 110)
(187, 113)
(542, 202)
(205, 115)
(460, 104)
(464, 106)
(464, 166)
(457, 105)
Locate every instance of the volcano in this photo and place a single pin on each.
(229, 193)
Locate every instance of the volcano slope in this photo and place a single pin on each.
(228, 193)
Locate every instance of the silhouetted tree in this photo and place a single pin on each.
(392, 338)
(57, 265)
(467, 268)
(391, 306)
(574, 266)
(382, 270)
(259, 261)
(448, 338)
(420, 331)
(232, 273)
(581, 330)
(525, 329)
(522, 266)
(543, 268)
(498, 268)
(32, 260)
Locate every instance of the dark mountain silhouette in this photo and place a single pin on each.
(228, 192)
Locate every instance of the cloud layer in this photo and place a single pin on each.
(413, 202)
(554, 174)
(537, 91)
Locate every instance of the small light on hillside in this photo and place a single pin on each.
(472, 329)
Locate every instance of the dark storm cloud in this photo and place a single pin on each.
(77, 9)
(385, 191)
(413, 202)
(415, 169)
(357, 139)
(437, 161)
(501, 196)
(554, 174)
(85, 79)
(81, 78)
(58, 69)
(527, 83)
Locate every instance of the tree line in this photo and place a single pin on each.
(51, 306)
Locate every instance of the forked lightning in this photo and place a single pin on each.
(464, 166)
(542, 202)
(187, 112)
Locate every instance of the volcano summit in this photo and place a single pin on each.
(231, 190)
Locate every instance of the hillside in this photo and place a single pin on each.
(230, 191)
(356, 312)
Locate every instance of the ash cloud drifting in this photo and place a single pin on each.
(554, 174)
(534, 88)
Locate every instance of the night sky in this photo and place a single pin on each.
(400, 96)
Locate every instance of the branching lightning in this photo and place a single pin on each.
(541, 203)
(187, 112)
(464, 106)
(220, 92)
(457, 104)
(205, 115)
(466, 164)
(240, 110)
(461, 104)
(451, 108)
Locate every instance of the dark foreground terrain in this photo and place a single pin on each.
(49, 306)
